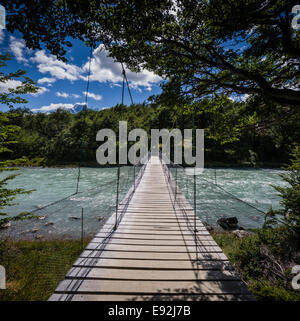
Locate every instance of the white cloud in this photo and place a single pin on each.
(18, 48)
(40, 91)
(244, 97)
(115, 85)
(66, 95)
(56, 68)
(105, 69)
(53, 107)
(13, 84)
(238, 97)
(93, 96)
(46, 80)
(9, 84)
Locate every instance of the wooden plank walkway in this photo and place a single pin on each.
(152, 254)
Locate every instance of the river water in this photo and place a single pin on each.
(97, 196)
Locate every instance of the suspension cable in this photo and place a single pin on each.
(127, 83)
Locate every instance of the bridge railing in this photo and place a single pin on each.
(92, 257)
(179, 201)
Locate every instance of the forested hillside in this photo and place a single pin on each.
(234, 135)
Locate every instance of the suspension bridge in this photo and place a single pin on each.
(153, 247)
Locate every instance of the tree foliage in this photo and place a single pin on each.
(9, 132)
(232, 136)
(204, 47)
(289, 214)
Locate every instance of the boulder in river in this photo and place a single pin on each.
(241, 233)
(6, 225)
(228, 223)
(74, 218)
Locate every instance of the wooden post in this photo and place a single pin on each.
(117, 198)
(175, 183)
(81, 229)
(215, 176)
(134, 178)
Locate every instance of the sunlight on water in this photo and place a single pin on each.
(97, 196)
(252, 186)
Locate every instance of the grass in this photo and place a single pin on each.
(34, 268)
(245, 255)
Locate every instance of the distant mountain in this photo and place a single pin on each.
(73, 109)
(77, 108)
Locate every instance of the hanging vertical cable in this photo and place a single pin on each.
(84, 119)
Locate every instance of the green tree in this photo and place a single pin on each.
(8, 138)
(289, 215)
(243, 47)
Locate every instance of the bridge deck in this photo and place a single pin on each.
(152, 254)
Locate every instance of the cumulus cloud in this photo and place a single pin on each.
(9, 84)
(56, 68)
(105, 69)
(40, 91)
(13, 84)
(52, 107)
(93, 96)
(66, 95)
(46, 80)
(18, 48)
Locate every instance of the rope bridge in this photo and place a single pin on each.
(152, 247)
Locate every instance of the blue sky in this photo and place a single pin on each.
(64, 84)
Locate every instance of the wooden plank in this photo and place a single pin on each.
(154, 255)
(150, 242)
(151, 287)
(158, 236)
(160, 297)
(156, 248)
(154, 274)
(152, 264)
